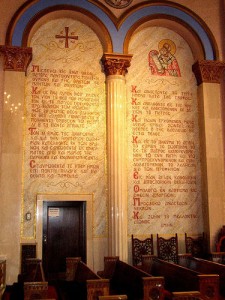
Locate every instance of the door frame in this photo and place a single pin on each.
(88, 198)
(77, 212)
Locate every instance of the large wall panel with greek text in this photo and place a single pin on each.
(164, 173)
(64, 132)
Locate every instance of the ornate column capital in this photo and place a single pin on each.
(16, 58)
(116, 64)
(208, 71)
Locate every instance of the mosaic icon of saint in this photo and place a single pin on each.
(163, 62)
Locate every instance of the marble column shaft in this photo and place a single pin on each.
(115, 69)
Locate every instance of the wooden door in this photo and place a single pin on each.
(64, 235)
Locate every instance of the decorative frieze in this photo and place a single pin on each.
(16, 58)
(116, 64)
(208, 71)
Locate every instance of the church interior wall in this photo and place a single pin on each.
(11, 213)
(11, 162)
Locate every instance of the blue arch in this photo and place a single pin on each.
(170, 11)
(44, 4)
(117, 36)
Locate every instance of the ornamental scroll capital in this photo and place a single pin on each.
(116, 64)
(208, 71)
(16, 58)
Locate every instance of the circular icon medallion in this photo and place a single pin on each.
(118, 3)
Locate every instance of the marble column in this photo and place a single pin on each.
(209, 80)
(15, 61)
(115, 67)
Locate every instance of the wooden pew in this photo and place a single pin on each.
(35, 290)
(81, 282)
(33, 282)
(217, 257)
(2, 277)
(113, 297)
(206, 267)
(181, 279)
(131, 281)
(187, 295)
(33, 271)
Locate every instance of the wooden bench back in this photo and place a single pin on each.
(97, 288)
(196, 246)
(33, 270)
(109, 266)
(220, 245)
(35, 290)
(113, 297)
(127, 278)
(2, 277)
(84, 273)
(141, 247)
(180, 279)
(206, 267)
(174, 275)
(131, 281)
(193, 295)
(91, 284)
(71, 267)
(167, 248)
(33, 281)
(76, 270)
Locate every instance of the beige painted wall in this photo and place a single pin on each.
(209, 11)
